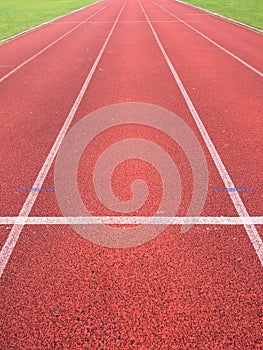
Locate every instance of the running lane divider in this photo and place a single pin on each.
(237, 201)
(212, 41)
(50, 45)
(31, 198)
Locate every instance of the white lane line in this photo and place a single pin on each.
(237, 201)
(32, 196)
(213, 42)
(18, 35)
(247, 26)
(48, 46)
(97, 22)
(197, 14)
(131, 220)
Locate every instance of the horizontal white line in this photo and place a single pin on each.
(110, 22)
(131, 220)
(198, 14)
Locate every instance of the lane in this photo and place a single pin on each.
(39, 26)
(245, 63)
(233, 21)
(250, 228)
(228, 97)
(243, 43)
(196, 290)
(35, 103)
(236, 22)
(16, 53)
(28, 204)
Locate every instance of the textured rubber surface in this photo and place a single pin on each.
(199, 290)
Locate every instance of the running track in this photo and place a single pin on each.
(199, 290)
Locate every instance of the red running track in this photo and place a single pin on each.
(199, 290)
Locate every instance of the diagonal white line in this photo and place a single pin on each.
(131, 220)
(27, 206)
(212, 41)
(49, 46)
(237, 201)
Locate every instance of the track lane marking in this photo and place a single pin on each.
(32, 196)
(197, 14)
(212, 41)
(110, 22)
(131, 220)
(48, 46)
(251, 230)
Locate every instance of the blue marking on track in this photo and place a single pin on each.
(36, 189)
(233, 189)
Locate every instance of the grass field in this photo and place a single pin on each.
(18, 15)
(246, 11)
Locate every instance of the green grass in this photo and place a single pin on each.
(19, 15)
(246, 11)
